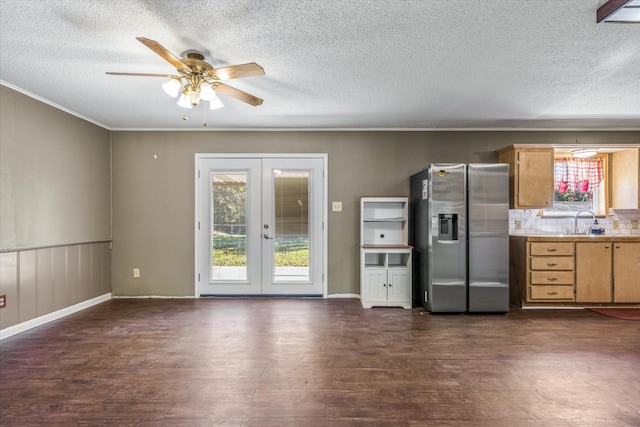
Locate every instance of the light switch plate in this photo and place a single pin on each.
(136, 272)
(336, 206)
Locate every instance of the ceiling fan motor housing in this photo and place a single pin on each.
(196, 63)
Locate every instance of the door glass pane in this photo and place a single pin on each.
(291, 222)
(229, 226)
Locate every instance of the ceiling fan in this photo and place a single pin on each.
(200, 79)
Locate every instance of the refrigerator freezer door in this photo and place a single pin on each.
(419, 228)
(447, 251)
(488, 210)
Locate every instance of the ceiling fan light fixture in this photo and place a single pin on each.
(215, 103)
(184, 101)
(200, 78)
(172, 87)
(206, 92)
(583, 153)
(192, 93)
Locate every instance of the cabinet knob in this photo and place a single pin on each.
(617, 246)
(606, 246)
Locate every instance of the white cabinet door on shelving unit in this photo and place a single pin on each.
(375, 283)
(399, 285)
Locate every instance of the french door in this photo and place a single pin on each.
(259, 225)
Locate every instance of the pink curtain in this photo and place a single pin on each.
(573, 174)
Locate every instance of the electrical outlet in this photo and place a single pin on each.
(336, 206)
(136, 272)
(634, 224)
(3, 301)
(616, 224)
(518, 225)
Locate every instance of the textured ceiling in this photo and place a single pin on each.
(333, 64)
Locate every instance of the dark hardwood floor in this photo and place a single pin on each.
(301, 362)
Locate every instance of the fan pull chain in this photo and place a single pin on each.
(204, 121)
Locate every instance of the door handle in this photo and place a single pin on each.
(266, 236)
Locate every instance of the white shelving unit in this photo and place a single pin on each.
(385, 256)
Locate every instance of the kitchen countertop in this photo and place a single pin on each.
(580, 237)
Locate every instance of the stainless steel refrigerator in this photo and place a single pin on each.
(460, 234)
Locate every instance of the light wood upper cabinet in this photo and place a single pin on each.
(530, 176)
(625, 174)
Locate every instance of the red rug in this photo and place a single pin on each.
(618, 313)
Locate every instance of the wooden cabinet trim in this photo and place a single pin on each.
(552, 263)
(552, 278)
(551, 248)
(551, 293)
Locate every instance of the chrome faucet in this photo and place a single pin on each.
(576, 219)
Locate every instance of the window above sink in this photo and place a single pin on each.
(606, 180)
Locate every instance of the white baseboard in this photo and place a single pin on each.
(152, 296)
(344, 296)
(41, 320)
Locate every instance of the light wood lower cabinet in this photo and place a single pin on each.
(574, 271)
(550, 271)
(594, 264)
(626, 272)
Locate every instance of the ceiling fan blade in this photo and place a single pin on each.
(236, 93)
(236, 71)
(164, 53)
(168, 76)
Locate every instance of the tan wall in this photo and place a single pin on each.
(153, 197)
(55, 198)
(38, 282)
(55, 171)
(55, 174)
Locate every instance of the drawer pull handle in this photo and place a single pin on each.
(552, 292)
(552, 279)
(552, 264)
(552, 249)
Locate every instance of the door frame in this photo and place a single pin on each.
(324, 210)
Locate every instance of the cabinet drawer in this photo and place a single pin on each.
(552, 277)
(552, 292)
(551, 248)
(552, 263)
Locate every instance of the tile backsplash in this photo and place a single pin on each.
(531, 223)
